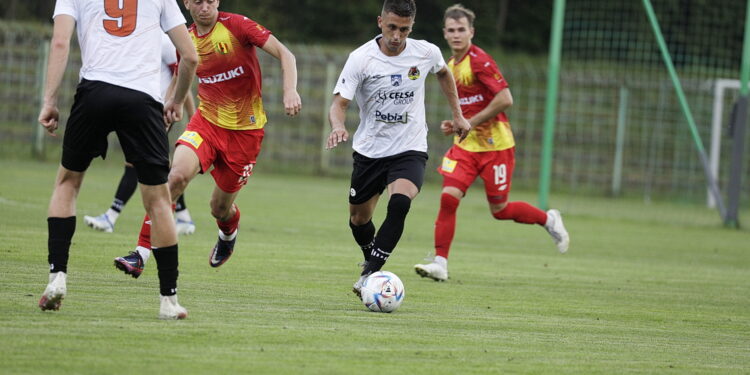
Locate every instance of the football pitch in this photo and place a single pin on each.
(656, 288)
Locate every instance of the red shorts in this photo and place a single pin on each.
(460, 168)
(231, 152)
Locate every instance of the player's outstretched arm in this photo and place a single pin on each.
(337, 119)
(292, 100)
(448, 86)
(185, 72)
(59, 50)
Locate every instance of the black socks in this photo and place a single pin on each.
(166, 262)
(58, 242)
(389, 233)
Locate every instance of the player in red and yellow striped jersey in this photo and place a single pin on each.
(487, 152)
(227, 129)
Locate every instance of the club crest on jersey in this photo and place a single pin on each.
(396, 80)
(222, 48)
(413, 73)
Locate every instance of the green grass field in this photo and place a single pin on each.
(658, 288)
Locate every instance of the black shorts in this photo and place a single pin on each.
(100, 108)
(371, 176)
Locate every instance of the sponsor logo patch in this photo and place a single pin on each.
(396, 97)
(192, 138)
(449, 165)
(392, 118)
(226, 76)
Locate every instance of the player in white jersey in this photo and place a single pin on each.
(387, 75)
(129, 180)
(119, 91)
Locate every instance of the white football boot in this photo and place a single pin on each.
(556, 229)
(100, 223)
(170, 309)
(436, 270)
(184, 227)
(55, 292)
(357, 288)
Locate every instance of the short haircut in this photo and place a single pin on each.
(458, 11)
(401, 8)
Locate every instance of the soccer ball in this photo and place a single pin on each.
(383, 291)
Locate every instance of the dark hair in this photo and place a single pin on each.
(401, 8)
(458, 11)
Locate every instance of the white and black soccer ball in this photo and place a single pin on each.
(383, 291)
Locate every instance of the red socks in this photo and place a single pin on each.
(228, 227)
(522, 212)
(144, 238)
(445, 225)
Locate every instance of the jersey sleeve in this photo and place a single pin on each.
(67, 7)
(489, 74)
(437, 62)
(350, 78)
(250, 32)
(171, 16)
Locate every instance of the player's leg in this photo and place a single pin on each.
(233, 167)
(125, 190)
(404, 178)
(227, 215)
(182, 218)
(459, 169)
(144, 142)
(498, 176)
(185, 166)
(363, 230)
(85, 138)
(61, 223)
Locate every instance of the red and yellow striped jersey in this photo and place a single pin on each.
(478, 80)
(229, 79)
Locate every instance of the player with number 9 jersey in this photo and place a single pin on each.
(120, 91)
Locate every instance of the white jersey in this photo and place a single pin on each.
(168, 61)
(390, 95)
(121, 40)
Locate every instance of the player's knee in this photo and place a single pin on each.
(359, 219)
(220, 210)
(449, 202)
(399, 205)
(496, 209)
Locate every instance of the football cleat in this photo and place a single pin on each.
(435, 270)
(132, 264)
(357, 287)
(184, 227)
(170, 309)
(55, 292)
(100, 223)
(221, 252)
(556, 229)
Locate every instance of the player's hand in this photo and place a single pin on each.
(446, 127)
(292, 103)
(49, 117)
(337, 136)
(461, 127)
(172, 113)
